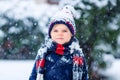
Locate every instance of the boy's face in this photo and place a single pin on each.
(60, 34)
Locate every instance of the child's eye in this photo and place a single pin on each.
(64, 30)
(55, 30)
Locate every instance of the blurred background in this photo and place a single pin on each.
(24, 25)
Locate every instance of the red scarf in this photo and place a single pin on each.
(60, 49)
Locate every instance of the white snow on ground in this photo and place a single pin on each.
(15, 69)
(21, 69)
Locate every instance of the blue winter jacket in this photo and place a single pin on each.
(58, 69)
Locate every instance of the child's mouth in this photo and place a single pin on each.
(60, 38)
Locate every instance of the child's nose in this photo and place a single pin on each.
(60, 33)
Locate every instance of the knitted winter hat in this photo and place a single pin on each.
(64, 16)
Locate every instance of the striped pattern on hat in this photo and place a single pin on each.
(64, 16)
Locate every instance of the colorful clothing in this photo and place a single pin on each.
(60, 62)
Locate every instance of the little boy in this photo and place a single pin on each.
(60, 58)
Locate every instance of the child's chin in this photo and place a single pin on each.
(60, 43)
